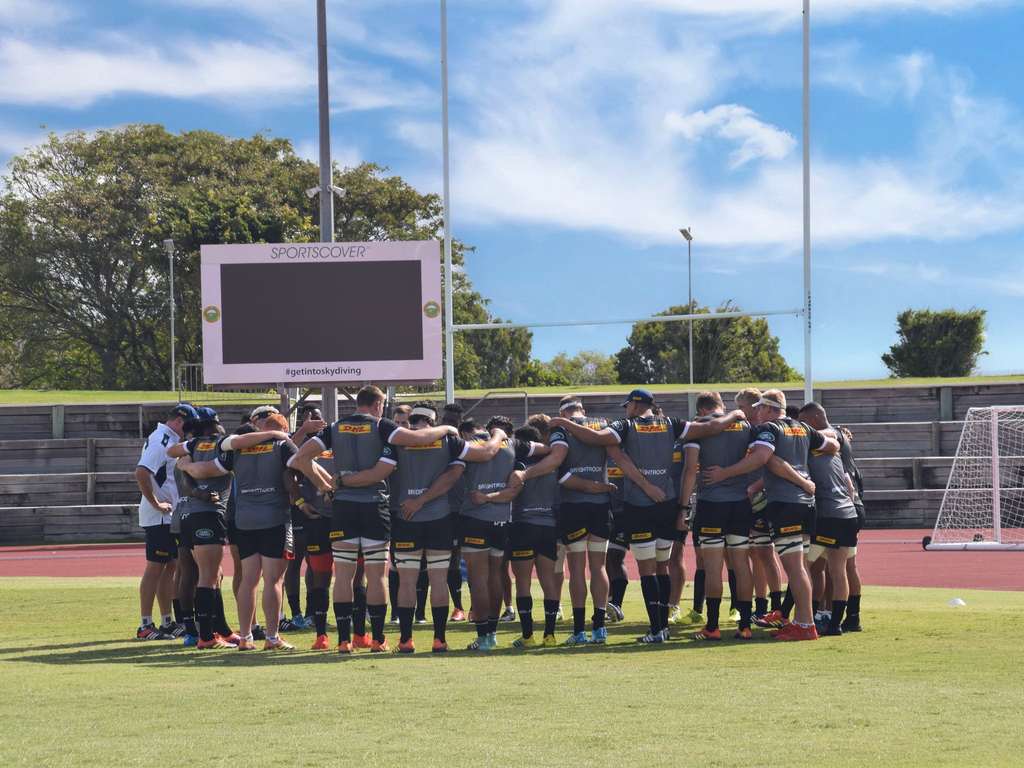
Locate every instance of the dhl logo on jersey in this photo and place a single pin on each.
(791, 529)
(578, 534)
(337, 534)
(614, 472)
(647, 429)
(595, 426)
(205, 446)
(710, 530)
(312, 548)
(328, 454)
(734, 427)
(405, 545)
(817, 453)
(258, 449)
(823, 540)
(522, 553)
(677, 456)
(796, 431)
(353, 429)
(434, 445)
(476, 542)
(641, 536)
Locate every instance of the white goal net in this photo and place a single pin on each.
(983, 506)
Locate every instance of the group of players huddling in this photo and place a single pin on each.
(427, 489)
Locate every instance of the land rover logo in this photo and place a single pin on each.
(431, 309)
(211, 314)
(204, 533)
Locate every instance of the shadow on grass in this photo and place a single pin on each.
(168, 654)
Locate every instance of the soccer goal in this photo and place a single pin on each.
(983, 506)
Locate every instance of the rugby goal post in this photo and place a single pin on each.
(983, 506)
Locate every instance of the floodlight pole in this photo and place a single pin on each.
(449, 312)
(329, 394)
(808, 379)
(689, 291)
(169, 245)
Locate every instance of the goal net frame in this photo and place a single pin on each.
(983, 504)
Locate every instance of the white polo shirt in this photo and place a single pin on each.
(161, 466)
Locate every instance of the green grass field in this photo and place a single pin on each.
(39, 397)
(924, 685)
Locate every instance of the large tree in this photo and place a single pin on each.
(724, 350)
(84, 277)
(942, 343)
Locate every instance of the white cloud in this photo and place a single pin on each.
(424, 135)
(77, 77)
(25, 14)
(845, 66)
(731, 121)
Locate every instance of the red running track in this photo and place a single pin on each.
(882, 557)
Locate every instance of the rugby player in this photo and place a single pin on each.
(676, 561)
(838, 520)
(424, 529)
(790, 508)
(155, 478)
(618, 545)
(723, 515)
(650, 509)
(483, 527)
(361, 441)
(452, 417)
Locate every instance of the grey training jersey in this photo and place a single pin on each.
(310, 493)
(419, 467)
(792, 441)
(678, 462)
(179, 483)
(490, 476)
(849, 464)
(616, 477)
(358, 442)
(536, 502)
(831, 498)
(722, 450)
(584, 461)
(208, 449)
(649, 442)
(262, 499)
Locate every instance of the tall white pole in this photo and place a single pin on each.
(449, 313)
(808, 379)
(169, 245)
(329, 394)
(689, 306)
(997, 521)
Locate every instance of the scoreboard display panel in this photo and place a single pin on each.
(321, 313)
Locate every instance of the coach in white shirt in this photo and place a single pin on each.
(155, 476)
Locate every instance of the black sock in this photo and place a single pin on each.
(815, 606)
(732, 590)
(220, 623)
(310, 600)
(853, 606)
(492, 624)
(481, 627)
(649, 587)
(714, 607)
(761, 605)
(455, 587)
(698, 590)
(359, 611)
(579, 620)
(343, 618)
(377, 614)
(440, 616)
(393, 579)
(618, 590)
(838, 606)
(524, 606)
(744, 607)
(405, 623)
(599, 615)
(204, 612)
(550, 613)
(776, 598)
(664, 590)
(421, 595)
(294, 604)
(188, 618)
(787, 603)
(176, 609)
(319, 599)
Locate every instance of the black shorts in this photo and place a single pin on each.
(655, 521)
(318, 536)
(723, 518)
(578, 520)
(618, 536)
(529, 540)
(203, 528)
(861, 515)
(411, 535)
(834, 532)
(160, 543)
(360, 520)
(232, 532)
(482, 534)
(787, 518)
(299, 521)
(266, 542)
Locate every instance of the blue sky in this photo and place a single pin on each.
(584, 133)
